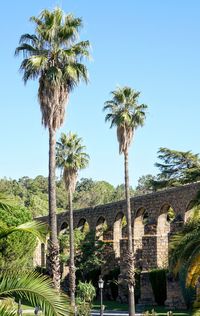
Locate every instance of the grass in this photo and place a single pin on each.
(110, 305)
(116, 306)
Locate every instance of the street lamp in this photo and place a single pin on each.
(100, 284)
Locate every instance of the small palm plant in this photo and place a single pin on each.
(70, 158)
(54, 55)
(127, 115)
(34, 288)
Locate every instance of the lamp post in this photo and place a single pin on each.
(100, 284)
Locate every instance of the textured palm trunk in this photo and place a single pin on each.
(130, 262)
(72, 275)
(54, 261)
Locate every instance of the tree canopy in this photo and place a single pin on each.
(176, 168)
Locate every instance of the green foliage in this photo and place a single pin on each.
(93, 193)
(145, 184)
(15, 282)
(111, 282)
(36, 289)
(187, 291)
(185, 246)
(7, 310)
(53, 52)
(88, 253)
(83, 308)
(17, 248)
(125, 113)
(185, 255)
(70, 158)
(158, 282)
(86, 292)
(79, 236)
(91, 255)
(176, 168)
(33, 194)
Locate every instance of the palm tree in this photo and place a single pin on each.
(126, 115)
(34, 288)
(54, 56)
(70, 157)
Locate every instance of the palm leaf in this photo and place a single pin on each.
(7, 311)
(6, 203)
(36, 289)
(37, 229)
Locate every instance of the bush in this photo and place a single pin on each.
(158, 282)
(86, 292)
(83, 309)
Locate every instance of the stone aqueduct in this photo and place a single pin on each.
(151, 231)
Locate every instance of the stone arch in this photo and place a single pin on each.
(63, 228)
(83, 225)
(101, 226)
(189, 210)
(140, 220)
(165, 217)
(117, 232)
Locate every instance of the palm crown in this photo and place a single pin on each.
(70, 157)
(54, 55)
(125, 114)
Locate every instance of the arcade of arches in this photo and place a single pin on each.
(155, 217)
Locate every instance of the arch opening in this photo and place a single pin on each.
(101, 227)
(63, 228)
(83, 225)
(119, 223)
(166, 216)
(141, 219)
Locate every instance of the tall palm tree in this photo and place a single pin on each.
(53, 55)
(70, 158)
(127, 116)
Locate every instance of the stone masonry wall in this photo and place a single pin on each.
(151, 231)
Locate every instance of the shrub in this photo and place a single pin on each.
(86, 292)
(158, 282)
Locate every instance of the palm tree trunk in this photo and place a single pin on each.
(130, 268)
(54, 245)
(72, 275)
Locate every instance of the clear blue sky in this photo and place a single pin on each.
(152, 46)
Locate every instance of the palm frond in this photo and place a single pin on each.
(37, 229)
(6, 203)
(6, 310)
(36, 289)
